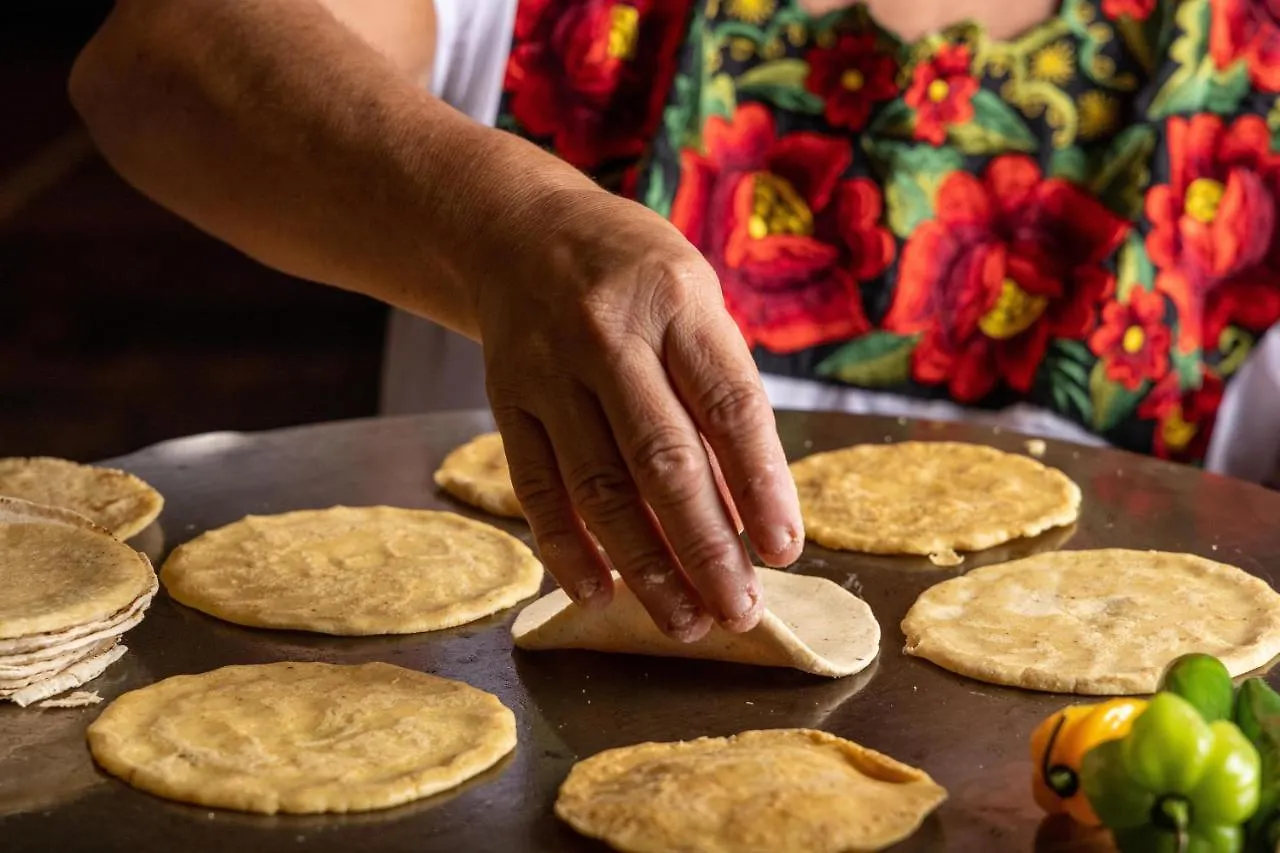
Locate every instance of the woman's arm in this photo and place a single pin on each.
(608, 350)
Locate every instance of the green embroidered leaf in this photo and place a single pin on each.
(677, 118)
(1070, 164)
(1112, 402)
(787, 98)
(1121, 177)
(1078, 397)
(658, 196)
(1235, 344)
(1133, 267)
(894, 119)
(995, 128)
(1198, 85)
(780, 72)
(1075, 350)
(912, 175)
(875, 360)
(1188, 367)
(719, 97)
(1074, 370)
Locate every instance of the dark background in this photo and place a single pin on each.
(120, 325)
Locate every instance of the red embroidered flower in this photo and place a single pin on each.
(789, 239)
(1248, 30)
(591, 75)
(1139, 10)
(1214, 224)
(1133, 341)
(1008, 262)
(941, 93)
(1184, 420)
(852, 77)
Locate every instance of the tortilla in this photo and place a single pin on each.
(477, 474)
(781, 790)
(809, 624)
(920, 497)
(59, 571)
(114, 500)
(1094, 622)
(353, 571)
(81, 672)
(302, 737)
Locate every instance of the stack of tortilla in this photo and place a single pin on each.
(68, 591)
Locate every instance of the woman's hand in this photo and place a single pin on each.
(609, 356)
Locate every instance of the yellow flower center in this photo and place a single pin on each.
(776, 208)
(751, 11)
(938, 90)
(624, 31)
(1176, 431)
(1013, 313)
(852, 80)
(1134, 338)
(1203, 197)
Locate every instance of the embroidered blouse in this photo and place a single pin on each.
(1081, 220)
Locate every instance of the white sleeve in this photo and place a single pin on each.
(1246, 437)
(473, 38)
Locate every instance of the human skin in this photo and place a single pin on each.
(302, 135)
(300, 132)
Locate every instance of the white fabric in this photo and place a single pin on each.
(428, 368)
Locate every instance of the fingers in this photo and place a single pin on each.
(605, 496)
(669, 464)
(564, 545)
(713, 372)
(722, 488)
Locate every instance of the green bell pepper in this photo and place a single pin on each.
(1204, 681)
(1258, 716)
(1176, 783)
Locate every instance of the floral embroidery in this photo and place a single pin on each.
(851, 78)
(1133, 341)
(1248, 30)
(1010, 261)
(1213, 226)
(1139, 10)
(582, 73)
(789, 239)
(941, 93)
(1184, 420)
(1084, 217)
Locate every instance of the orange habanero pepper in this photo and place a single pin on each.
(1059, 744)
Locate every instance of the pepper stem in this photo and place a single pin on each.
(1173, 813)
(1060, 779)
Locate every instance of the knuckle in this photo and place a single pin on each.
(678, 284)
(733, 406)
(710, 554)
(669, 466)
(539, 494)
(601, 492)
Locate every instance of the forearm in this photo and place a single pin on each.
(272, 126)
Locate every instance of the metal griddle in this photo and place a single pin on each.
(971, 737)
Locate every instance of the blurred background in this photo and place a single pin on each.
(120, 325)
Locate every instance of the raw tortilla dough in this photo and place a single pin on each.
(1094, 622)
(919, 497)
(115, 500)
(810, 624)
(780, 790)
(477, 474)
(353, 571)
(302, 737)
(59, 572)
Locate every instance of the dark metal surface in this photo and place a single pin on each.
(970, 736)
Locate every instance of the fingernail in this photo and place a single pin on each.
(688, 623)
(780, 542)
(587, 592)
(744, 614)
